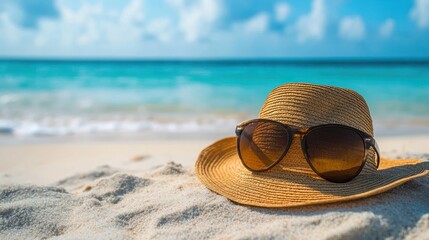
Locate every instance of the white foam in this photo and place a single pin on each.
(64, 127)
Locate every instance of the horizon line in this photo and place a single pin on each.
(278, 60)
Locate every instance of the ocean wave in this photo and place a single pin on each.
(77, 127)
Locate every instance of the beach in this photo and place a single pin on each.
(213, 119)
(122, 189)
(106, 149)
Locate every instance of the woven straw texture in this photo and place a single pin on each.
(303, 105)
(292, 182)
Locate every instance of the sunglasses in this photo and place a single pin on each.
(337, 153)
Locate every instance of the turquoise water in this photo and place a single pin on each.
(73, 97)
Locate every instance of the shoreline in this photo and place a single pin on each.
(147, 136)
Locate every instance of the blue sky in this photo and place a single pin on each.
(214, 28)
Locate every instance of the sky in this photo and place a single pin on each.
(214, 28)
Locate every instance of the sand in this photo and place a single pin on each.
(148, 190)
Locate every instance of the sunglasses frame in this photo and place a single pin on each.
(367, 140)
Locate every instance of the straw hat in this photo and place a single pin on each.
(292, 182)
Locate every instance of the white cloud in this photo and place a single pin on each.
(256, 24)
(93, 24)
(89, 25)
(386, 28)
(282, 11)
(420, 13)
(133, 12)
(352, 28)
(196, 19)
(312, 25)
(139, 28)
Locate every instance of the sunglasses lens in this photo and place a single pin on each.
(336, 153)
(262, 143)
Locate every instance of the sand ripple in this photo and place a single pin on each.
(170, 203)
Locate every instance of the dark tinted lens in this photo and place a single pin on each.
(262, 143)
(335, 153)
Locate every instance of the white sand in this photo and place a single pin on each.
(47, 163)
(141, 195)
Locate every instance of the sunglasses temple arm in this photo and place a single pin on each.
(377, 150)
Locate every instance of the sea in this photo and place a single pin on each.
(44, 98)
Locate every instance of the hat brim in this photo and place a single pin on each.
(220, 169)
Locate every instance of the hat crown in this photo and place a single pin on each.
(303, 105)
